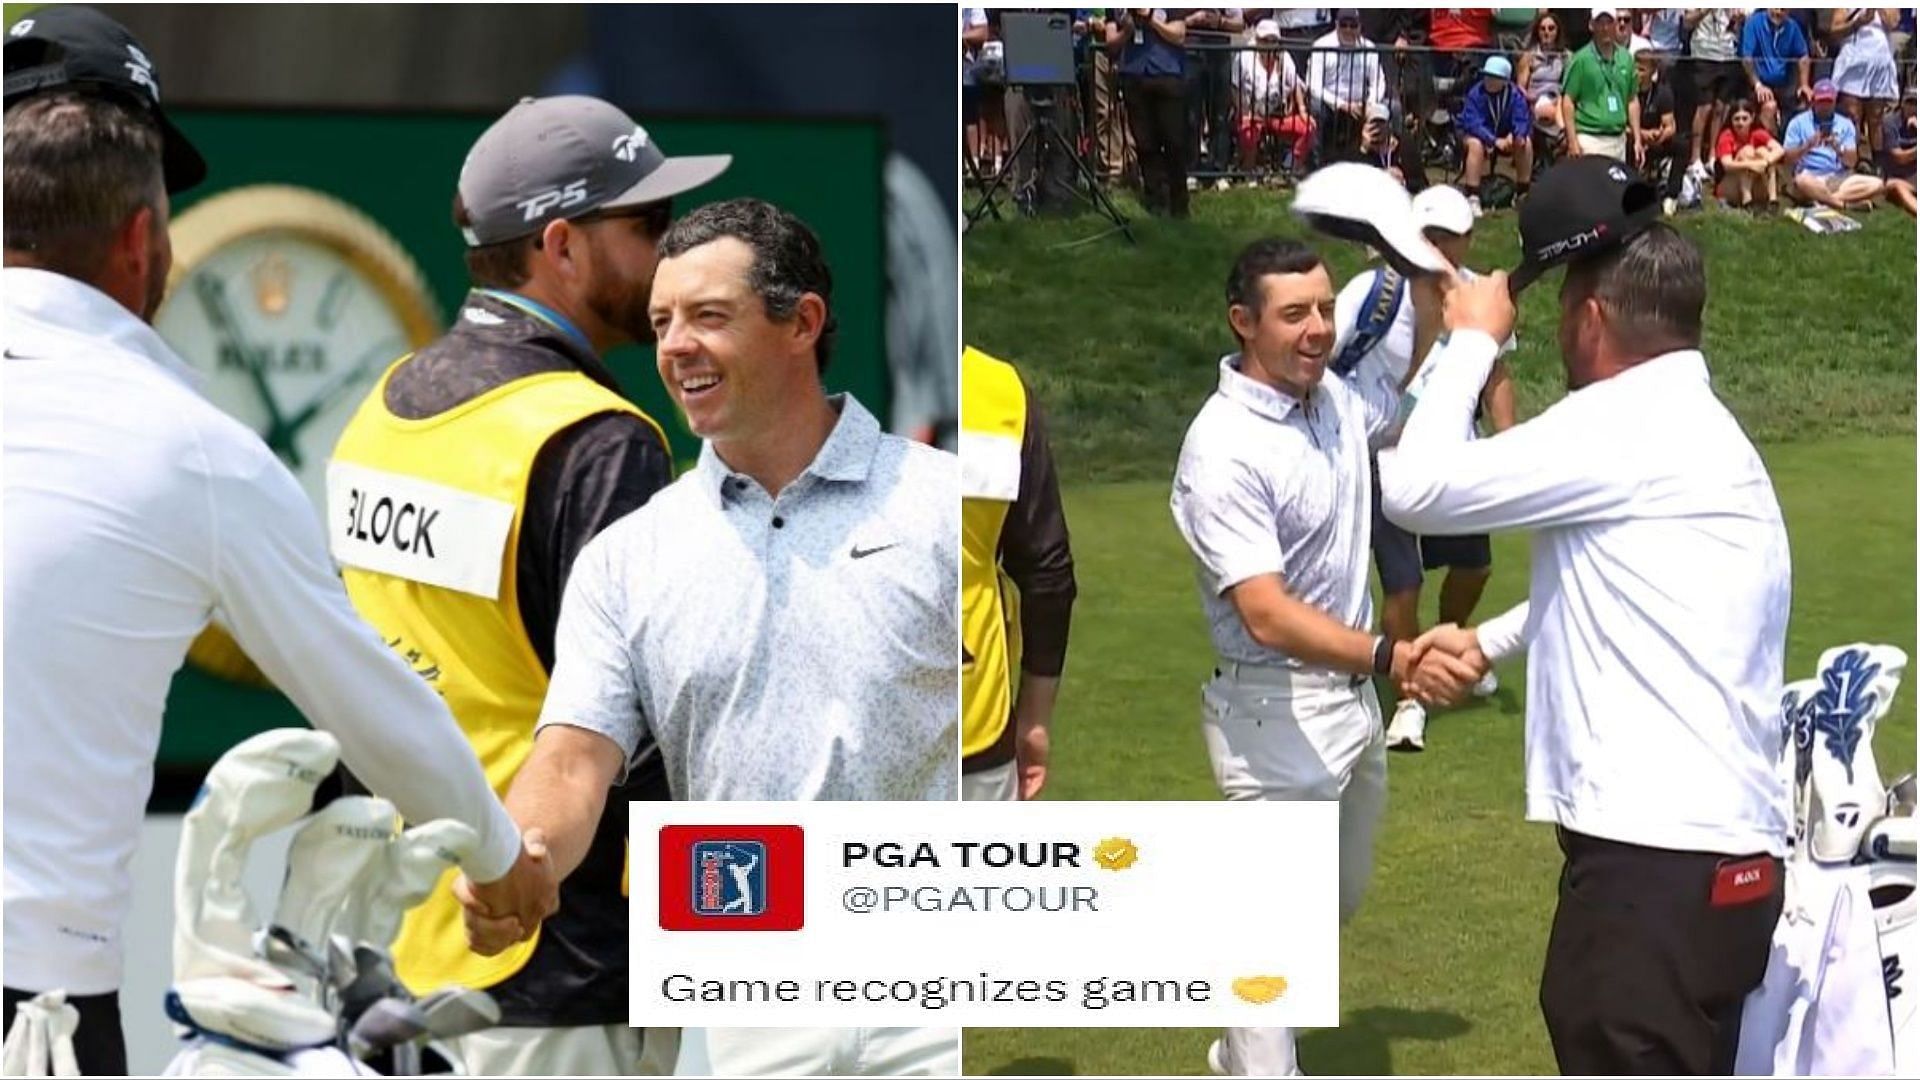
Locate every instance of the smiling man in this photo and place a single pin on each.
(1273, 496)
(782, 622)
(499, 451)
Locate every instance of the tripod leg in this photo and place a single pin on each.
(1099, 194)
(999, 181)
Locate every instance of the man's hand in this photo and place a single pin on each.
(1503, 144)
(1444, 663)
(1481, 304)
(1762, 94)
(1031, 749)
(504, 912)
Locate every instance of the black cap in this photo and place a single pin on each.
(57, 47)
(1580, 207)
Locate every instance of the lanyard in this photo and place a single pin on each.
(1610, 73)
(540, 311)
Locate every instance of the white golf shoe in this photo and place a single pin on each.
(1217, 1058)
(1408, 729)
(1487, 687)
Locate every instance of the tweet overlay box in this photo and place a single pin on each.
(1068, 914)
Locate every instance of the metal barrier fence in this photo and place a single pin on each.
(1240, 123)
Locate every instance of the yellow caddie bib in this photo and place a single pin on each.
(424, 517)
(993, 423)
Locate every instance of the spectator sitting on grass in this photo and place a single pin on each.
(1344, 77)
(1496, 122)
(1897, 152)
(1747, 155)
(1823, 147)
(1658, 127)
(1272, 99)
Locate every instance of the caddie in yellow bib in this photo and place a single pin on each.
(458, 498)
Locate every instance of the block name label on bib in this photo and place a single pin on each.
(401, 525)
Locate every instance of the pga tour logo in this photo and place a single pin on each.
(732, 877)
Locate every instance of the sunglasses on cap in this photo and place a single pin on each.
(656, 216)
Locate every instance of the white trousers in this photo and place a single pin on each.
(998, 784)
(821, 1052)
(1275, 735)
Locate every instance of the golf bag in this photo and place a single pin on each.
(1832, 1001)
(310, 992)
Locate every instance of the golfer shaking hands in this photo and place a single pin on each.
(137, 513)
(1655, 629)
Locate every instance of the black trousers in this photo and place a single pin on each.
(98, 1045)
(1157, 115)
(1644, 974)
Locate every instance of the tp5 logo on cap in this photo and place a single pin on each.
(732, 877)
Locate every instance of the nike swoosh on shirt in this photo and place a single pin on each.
(861, 553)
(11, 355)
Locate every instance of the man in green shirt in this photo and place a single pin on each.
(1598, 103)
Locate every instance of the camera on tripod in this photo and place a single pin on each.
(1039, 49)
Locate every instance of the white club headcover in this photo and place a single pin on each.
(1857, 686)
(272, 1019)
(201, 1057)
(1890, 839)
(330, 855)
(261, 785)
(40, 1039)
(1364, 203)
(409, 869)
(1797, 756)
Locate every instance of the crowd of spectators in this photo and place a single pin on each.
(1744, 107)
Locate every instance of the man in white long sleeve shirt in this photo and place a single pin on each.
(1343, 78)
(1655, 628)
(136, 513)
(1272, 496)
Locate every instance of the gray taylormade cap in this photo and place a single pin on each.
(561, 157)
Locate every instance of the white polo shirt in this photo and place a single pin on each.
(1659, 593)
(1271, 484)
(136, 513)
(789, 648)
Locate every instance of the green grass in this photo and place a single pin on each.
(1440, 969)
(1808, 336)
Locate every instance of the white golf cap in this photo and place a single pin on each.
(1356, 201)
(1604, 13)
(1639, 45)
(1443, 207)
(1266, 30)
(1377, 110)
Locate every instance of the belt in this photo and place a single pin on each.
(1275, 674)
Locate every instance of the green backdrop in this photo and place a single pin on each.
(399, 169)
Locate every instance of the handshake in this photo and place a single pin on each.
(1440, 666)
(507, 911)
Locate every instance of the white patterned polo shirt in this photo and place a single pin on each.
(803, 646)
